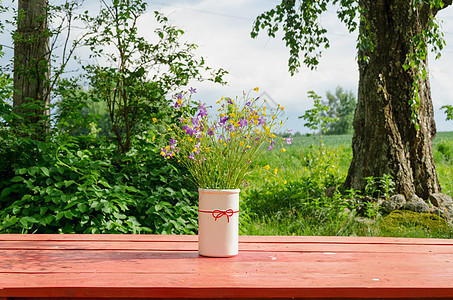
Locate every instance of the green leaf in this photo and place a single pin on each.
(17, 179)
(59, 215)
(82, 207)
(45, 171)
(32, 171)
(68, 183)
(68, 214)
(10, 221)
(43, 210)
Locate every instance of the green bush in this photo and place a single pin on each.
(78, 184)
(444, 150)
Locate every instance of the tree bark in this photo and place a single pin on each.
(32, 62)
(385, 140)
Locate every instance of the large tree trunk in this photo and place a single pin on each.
(31, 62)
(385, 139)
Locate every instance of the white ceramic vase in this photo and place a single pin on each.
(218, 222)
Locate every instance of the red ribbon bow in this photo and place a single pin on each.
(217, 214)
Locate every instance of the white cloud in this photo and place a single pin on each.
(222, 31)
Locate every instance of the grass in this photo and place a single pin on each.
(300, 206)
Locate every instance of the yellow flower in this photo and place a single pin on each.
(248, 147)
(224, 144)
(282, 108)
(162, 153)
(256, 89)
(285, 182)
(153, 138)
(275, 170)
(267, 167)
(154, 120)
(241, 143)
(283, 150)
(167, 147)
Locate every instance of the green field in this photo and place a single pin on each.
(293, 202)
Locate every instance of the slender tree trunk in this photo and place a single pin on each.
(385, 139)
(31, 62)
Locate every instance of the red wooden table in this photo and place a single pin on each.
(149, 266)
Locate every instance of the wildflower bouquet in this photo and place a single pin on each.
(218, 149)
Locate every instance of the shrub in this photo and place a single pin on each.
(78, 185)
(444, 150)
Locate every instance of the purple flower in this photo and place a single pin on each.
(230, 101)
(181, 119)
(248, 103)
(178, 102)
(195, 121)
(189, 130)
(288, 140)
(191, 156)
(192, 90)
(261, 121)
(257, 139)
(272, 143)
(243, 122)
(210, 132)
(172, 141)
(202, 113)
(230, 127)
(270, 148)
(223, 120)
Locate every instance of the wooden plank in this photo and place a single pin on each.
(341, 270)
(256, 247)
(268, 262)
(242, 239)
(98, 237)
(169, 266)
(243, 292)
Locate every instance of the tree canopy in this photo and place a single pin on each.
(394, 121)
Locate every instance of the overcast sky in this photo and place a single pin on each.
(221, 29)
